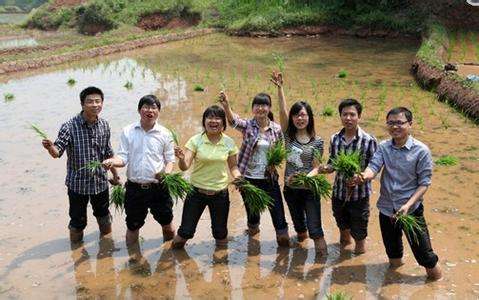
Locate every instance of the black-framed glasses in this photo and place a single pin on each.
(396, 123)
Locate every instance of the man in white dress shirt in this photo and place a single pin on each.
(147, 149)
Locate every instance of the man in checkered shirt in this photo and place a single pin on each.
(86, 139)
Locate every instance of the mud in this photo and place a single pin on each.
(36, 259)
(161, 20)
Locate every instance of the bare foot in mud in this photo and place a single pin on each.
(360, 247)
(345, 238)
(434, 274)
(395, 263)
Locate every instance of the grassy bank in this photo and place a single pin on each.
(237, 15)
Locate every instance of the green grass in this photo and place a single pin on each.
(8, 97)
(117, 198)
(342, 74)
(447, 160)
(328, 111)
(40, 132)
(411, 225)
(318, 184)
(255, 198)
(177, 186)
(128, 85)
(338, 296)
(430, 47)
(198, 88)
(71, 82)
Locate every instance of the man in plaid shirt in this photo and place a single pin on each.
(351, 203)
(86, 139)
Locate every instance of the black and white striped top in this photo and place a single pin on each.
(301, 156)
(363, 142)
(85, 143)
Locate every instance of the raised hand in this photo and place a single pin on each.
(277, 79)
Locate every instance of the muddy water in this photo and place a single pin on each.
(35, 255)
(15, 43)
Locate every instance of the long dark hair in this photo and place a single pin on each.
(263, 98)
(295, 109)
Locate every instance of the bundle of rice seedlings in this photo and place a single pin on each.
(279, 61)
(317, 156)
(411, 225)
(447, 160)
(342, 74)
(174, 135)
(91, 165)
(177, 186)
(199, 88)
(276, 154)
(40, 132)
(8, 97)
(255, 198)
(318, 184)
(117, 198)
(347, 165)
(338, 296)
(128, 85)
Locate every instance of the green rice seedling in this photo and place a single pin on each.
(117, 198)
(411, 226)
(318, 184)
(338, 296)
(347, 165)
(328, 111)
(276, 154)
(317, 156)
(71, 82)
(177, 186)
(279, 61)
(342, 74)
(40, 132)
(91, 165)
(255, 198)
(447, 160)
(199, 88)
(128, 85)
(174, 136)
(8, 97)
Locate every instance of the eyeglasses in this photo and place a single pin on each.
(396, 123)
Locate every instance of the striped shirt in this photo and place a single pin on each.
(363, 142)
(85, 143)
(250, 130)
(301, 156)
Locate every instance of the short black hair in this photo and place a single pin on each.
(214, 111)
(398, 110)
(350, 102)
(295, 109)
(90, 91)
(149, 100)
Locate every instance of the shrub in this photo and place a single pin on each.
(94, 17)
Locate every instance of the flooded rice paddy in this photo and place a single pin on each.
(36, 259)
(16, 43)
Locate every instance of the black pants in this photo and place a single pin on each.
(78, 206)
(352, 215)
(392, 239)
(276, 211)
(138, 200)
(195, 204)
(305, 211)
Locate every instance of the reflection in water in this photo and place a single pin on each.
(16, 43)
(102, 282)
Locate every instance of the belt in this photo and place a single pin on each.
(143, 186)
(209, 192)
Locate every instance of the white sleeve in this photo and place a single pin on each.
(123, 150)
(168, 149)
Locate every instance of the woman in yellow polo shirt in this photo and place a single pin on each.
(212, 154)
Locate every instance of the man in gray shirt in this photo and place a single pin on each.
(405, 179)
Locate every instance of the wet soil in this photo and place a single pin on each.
(36, 259)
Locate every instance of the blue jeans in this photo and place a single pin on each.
(276, 210)
(195, 204)
(305, 211)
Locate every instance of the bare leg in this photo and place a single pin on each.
(434, 273)
(321, 246)
(395, 262)
(178, 242)
(360, 246)
(345, 237)
(168, 232)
